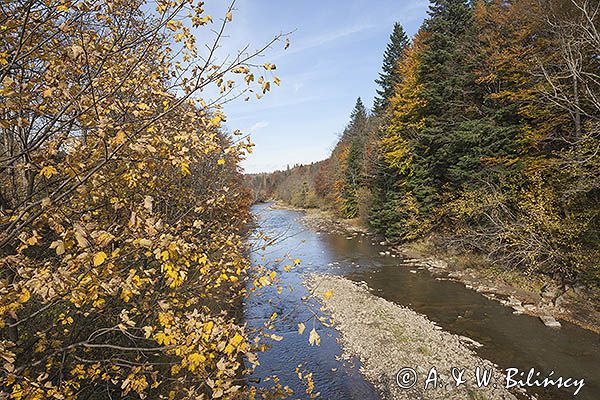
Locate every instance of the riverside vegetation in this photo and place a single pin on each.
(122, 256)
(484, 135)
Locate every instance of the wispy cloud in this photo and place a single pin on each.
(326, 38)
(257, 126)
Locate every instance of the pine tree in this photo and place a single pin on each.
(389, 76)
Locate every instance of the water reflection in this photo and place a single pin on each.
(509, 340)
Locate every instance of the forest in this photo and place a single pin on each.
(484, 132)
(124, 214)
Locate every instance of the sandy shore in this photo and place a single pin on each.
(387, 337)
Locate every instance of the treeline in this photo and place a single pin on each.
(295, 186)
(485, 131)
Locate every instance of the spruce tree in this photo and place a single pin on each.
(389, 76)
(447, 81)
(354, 136)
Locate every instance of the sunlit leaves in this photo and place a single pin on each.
(48, 171)
(124, 224)
(314, 338)
(301, 328)
(99, 258)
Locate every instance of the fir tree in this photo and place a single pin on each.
(355, 136)
(447, 82)
(389, 76)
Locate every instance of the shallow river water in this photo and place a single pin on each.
(509, 340)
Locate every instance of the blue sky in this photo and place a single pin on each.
(335, 55)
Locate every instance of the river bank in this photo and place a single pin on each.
(342, 249)
(387, 337)
(531, 294)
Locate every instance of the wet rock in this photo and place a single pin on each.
(550, 321)
(438, 264)
(469, 342)
(518, 309)
(512, 302)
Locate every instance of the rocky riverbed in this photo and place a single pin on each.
(387, 337)
(526, 293)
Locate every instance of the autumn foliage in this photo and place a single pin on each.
(489, 139)
(121, 211)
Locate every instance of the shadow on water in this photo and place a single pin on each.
(509, 340)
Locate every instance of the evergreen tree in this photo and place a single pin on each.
(447, 82)
(355, 136)
(389, 76)
(357, 126)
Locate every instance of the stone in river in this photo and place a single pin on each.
(518, 309)
(550, 321)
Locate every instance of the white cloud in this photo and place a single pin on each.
(257, 126)
(321, 40)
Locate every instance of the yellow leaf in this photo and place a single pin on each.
(229, 16)
(301, 328)
(119, 138)
(185, 168)
(275, 337)
(221, 161)
(48, 92)
(48, 171)
(266, 87)
(314, 338)
(328, 294)
(24, 296)
(237, 339)
(172, 25)
(277, 81)
(99, 258)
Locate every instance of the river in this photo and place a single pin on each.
(509, 340)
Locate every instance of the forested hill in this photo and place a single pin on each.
(485, 130)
